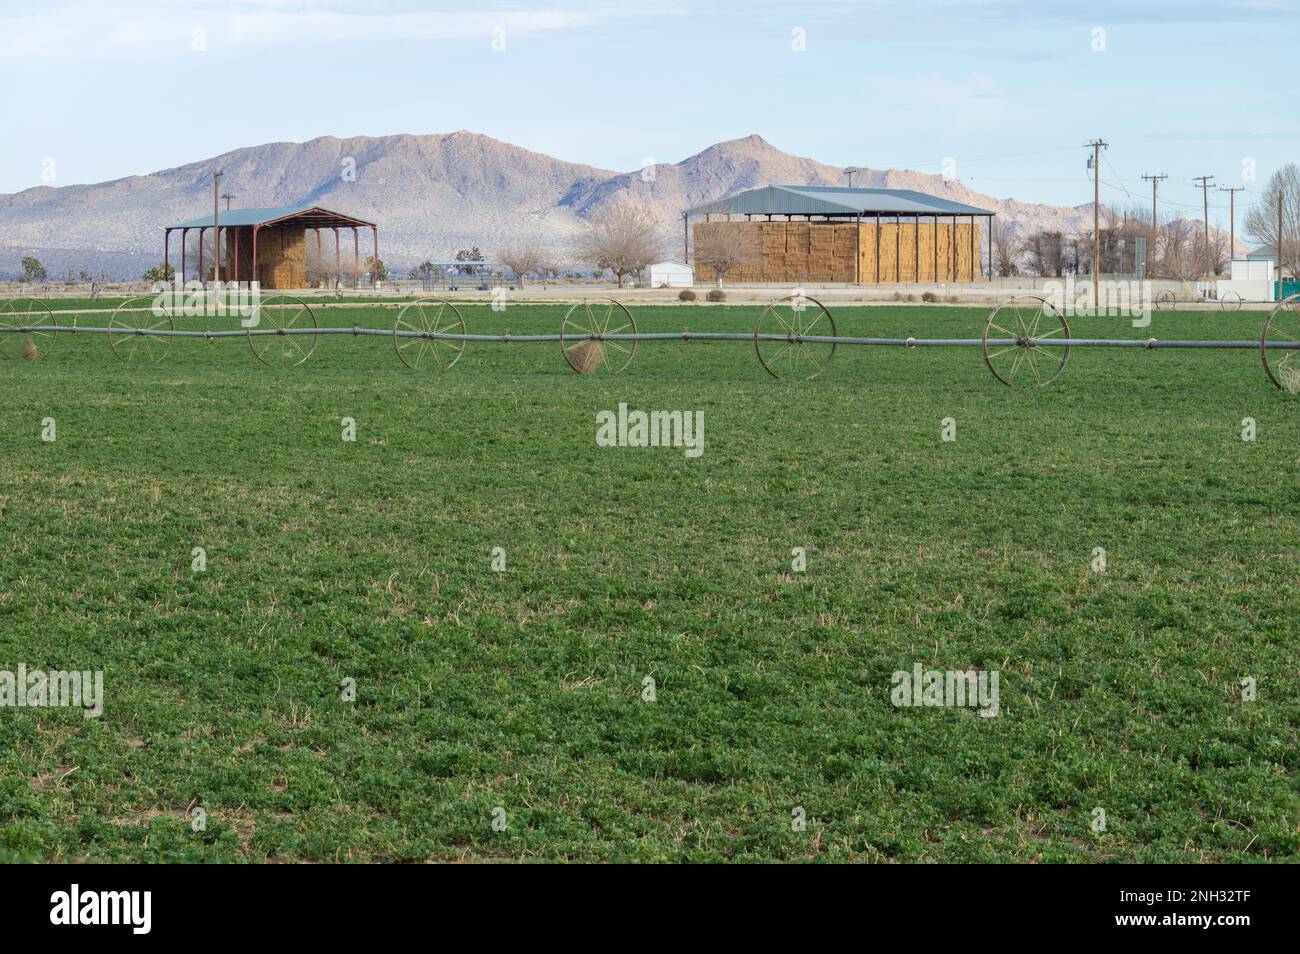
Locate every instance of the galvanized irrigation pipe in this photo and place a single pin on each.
(1148, 343)
(793, 319)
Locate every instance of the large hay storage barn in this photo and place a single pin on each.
(269, 246)
(795, 233)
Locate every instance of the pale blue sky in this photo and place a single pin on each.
(1010, 90)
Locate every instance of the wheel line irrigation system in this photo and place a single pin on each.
(1026, 339)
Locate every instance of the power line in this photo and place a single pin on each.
(1010, 155)
(1169, 202)
(1110, 165)
(1155, 181)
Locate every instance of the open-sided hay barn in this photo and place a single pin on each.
(269, 246)
(792, 234)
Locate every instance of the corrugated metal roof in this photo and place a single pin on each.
(238, 217)
(833, 200)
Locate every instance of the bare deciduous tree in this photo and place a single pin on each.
(549, 270)
(1137, 225)
(1180, 250)
(723, 247)
(523, 258)
(1006, 252)
(1045, 254)
(1283, 190)
(328, 263)
(318, 260)
(1220, 254)
(623, 240)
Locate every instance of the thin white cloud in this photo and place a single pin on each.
(83, 32)
(937, 15)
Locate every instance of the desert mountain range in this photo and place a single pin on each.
(431, 195)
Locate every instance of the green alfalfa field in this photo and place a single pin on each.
(521, 696)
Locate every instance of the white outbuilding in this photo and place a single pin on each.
(671, 274)
(1250, 279)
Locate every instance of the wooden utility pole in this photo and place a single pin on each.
(1205, 182)
(1097, 146)
(1232, 217)
(227, 196)
(1281, 196)
(216, 228)
(1155, 180)
(1155, 223)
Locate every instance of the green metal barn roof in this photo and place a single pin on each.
(307, 216)
(834, 200)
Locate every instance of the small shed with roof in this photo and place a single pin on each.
(270, 246)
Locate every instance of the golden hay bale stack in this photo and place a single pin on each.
(587, 356)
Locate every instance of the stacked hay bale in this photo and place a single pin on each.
(867, 251)
(821, 253)
(908, 253)
(945, 244)
(967, 238)
(772, 245)
(791, 252)
(881, 248)
(282, 258)
(923, 251)
(888, 251)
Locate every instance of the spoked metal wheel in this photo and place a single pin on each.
(1166, 301)
(25, 313)
(269, 336)
(780, 337)
(415, 325)
(583, 336)
(1018, 345)
(1230, 302)
(1278, 342)
(129, 331)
